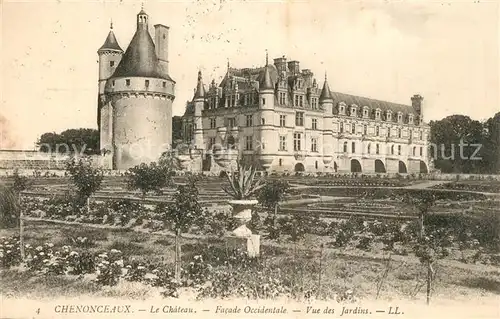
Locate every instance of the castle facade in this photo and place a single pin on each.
(135, 97)
(281, 118)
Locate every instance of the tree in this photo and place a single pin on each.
(270, 197)
(82, 140)
(86, 177)
(423, 201)
(169, 163)
(182, 214)
(148, 178)
(9, 206)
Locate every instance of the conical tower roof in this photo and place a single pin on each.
(200, 90)
(265, 82)
(326, 94)
(140, 59)
(111, 43)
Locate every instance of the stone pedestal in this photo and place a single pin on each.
(249, 244)
(242, 237)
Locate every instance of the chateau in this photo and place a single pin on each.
(280, 117)
(135, 97)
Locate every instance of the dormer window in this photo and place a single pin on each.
(365, 112)
(399, 133)
(111, 63)
(341, 127)
(377, 114)
(342, 108)
(400, 117)
(164, 84)
(389, 116)
(127, 82)
(353, 110)
(410, 119)
(353, 128)
(146, 83)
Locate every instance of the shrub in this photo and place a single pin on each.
(109, 268)
(10, 254)
(148, 178)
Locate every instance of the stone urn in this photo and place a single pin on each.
(241, 237)
(266, 161)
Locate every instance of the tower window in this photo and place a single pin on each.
(146, 83)
(377, 149)
(345, 147)
(263, 101)
(127, 82)
(164, 84)
(113, 83)
(280, 162)
(111, 63)
(353, 147)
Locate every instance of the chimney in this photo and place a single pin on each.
(280, 64)
(416, 102)
(293, 66)
(161, 46)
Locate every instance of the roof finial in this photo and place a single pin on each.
(325, 75)
(267, 58)
(111, 24)
(199, 75)
(228, 63)
(142, 5)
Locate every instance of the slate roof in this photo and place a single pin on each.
(111, 43)
(372, 103)
(140, 59)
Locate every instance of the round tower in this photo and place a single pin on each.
(199, 105)
(268, 140)
(141, 93)
(326, 100)
(110, 55)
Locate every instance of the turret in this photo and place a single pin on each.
(268, 139)
(110, 55)
(199, 104)
(326, 100)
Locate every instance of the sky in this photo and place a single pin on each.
(388, 50)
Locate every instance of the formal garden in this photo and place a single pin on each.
(151, 232)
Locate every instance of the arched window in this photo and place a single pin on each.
(377, 149)
(353, 147)
(345, 147)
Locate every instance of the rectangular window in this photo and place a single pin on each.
(231, 122)
(146, 83)
(388, 132)
(365, 129)
(213, 123)
(113, 83)
(249, 143)
(299, 119)
(421, 150)
(164, 84)
(263, 101)
(282, 143)
(282, 120)
(314, 124)
(378, 149)
(353, 147)
(399, 149)
(127, 82)
(211, 142)
(421, 135)
(341, 127)
(297, 138)
(314, 102)
(296, 100)
(249, 120)
(353, 128)
(301, 101)
(314, 145)
(377, 131)
(282, 98)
